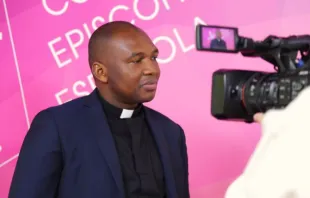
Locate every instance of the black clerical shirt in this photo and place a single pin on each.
(139, 159)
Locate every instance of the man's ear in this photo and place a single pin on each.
(100, 72)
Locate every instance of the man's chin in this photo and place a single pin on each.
(147, 98)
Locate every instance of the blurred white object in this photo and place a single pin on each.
(280, 164)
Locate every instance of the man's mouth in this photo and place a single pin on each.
(150, 85)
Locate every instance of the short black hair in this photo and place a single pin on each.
(99, 39)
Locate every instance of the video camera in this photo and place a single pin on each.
(239, 94)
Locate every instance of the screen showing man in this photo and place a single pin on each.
(218, 42)
(218, 39)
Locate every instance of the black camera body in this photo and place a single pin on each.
(239, 94)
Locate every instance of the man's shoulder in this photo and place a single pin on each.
(65, 110)
(162, 118)
(71, 105)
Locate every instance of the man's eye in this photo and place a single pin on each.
(154, 58)
(137, 61)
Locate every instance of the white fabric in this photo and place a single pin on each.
(126, 113)
(280, 164)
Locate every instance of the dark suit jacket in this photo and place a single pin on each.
(218, 44)
(69, 152)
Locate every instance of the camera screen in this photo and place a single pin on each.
(216, 38)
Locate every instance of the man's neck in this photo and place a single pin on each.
(119, 112)
(113, 101)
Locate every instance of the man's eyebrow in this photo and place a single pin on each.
(136, 54)
(155, 51)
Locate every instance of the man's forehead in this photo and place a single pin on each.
(132, 42)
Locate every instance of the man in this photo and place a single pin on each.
(218, 42)
(279, 165)
(107, 144)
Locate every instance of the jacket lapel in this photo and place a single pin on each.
(99, 127)
(158, 133)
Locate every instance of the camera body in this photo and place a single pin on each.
(239, 94)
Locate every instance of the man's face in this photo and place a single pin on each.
(132, 69)
(218, 34)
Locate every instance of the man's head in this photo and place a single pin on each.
(218, 34)
(122, 58)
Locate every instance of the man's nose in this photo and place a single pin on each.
(151, 68)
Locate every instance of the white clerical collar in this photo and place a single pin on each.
(126, 113)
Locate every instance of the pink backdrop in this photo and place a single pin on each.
(43, 62)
